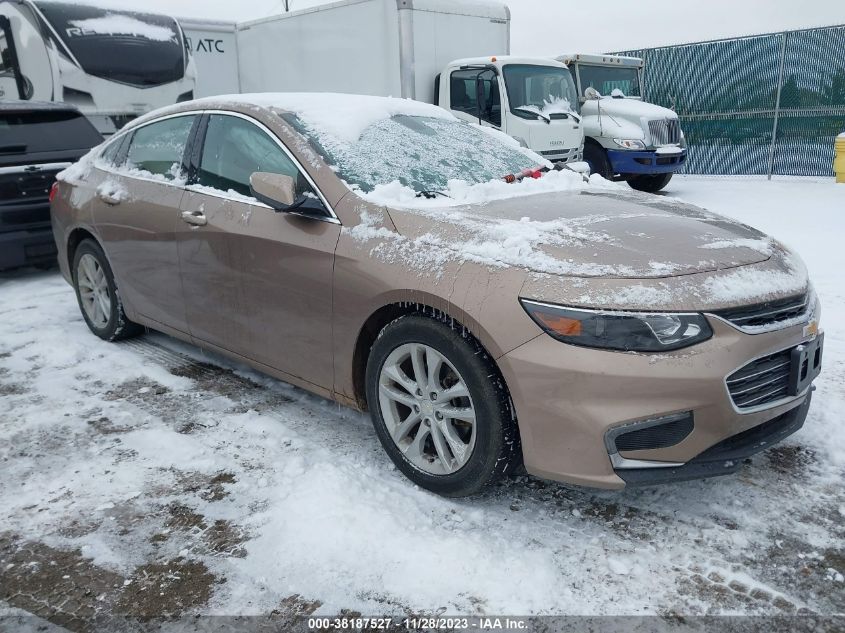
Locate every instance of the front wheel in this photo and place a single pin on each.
(650, 184)
(596, 157)
(439, 407)
(97, 294)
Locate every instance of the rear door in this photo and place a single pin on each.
(257, 282)
(136, 211)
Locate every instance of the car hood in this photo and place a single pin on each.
(629, 108)
(590, 235)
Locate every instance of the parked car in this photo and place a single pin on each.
(484, 309)
(37, 140)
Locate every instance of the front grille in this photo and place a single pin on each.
(665, 131)
(656, 436)
(565, 153)
(762, 381)
(768, 313)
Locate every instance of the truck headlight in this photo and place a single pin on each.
(621, 331)
(629, 143)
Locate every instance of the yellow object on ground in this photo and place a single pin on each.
(839, 159)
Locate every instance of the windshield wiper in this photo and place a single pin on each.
(536, 113)
(430, 194)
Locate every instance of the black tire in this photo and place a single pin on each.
(118, 326)
(497, 447)
(596, 157)
(650, 184)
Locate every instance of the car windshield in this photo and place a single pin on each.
(423, 153)
(606, 79)
(546, 89)
(140, 49)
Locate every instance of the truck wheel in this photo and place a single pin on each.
(439, 407)
(650, 184)
(597, 160)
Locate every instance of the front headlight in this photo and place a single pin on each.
(629, 143)
(622, 331)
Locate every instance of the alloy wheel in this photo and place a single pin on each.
(93, 290)
(427, 409)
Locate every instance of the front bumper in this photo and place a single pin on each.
(727, 456)
(646, 162)
(567, 398)
(31, 247)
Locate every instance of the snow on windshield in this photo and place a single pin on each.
(115, 24)
(552, 105)
(342, 116)
(418, 154)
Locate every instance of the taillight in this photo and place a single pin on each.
(54, 190)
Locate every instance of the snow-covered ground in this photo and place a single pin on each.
(147, 477)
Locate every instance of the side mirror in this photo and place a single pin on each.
(275, 190)
(591, 93)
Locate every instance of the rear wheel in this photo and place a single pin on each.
(650, 184)
(97, 294)
(439, 407)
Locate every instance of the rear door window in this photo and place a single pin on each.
(158, 148)
(234, 149)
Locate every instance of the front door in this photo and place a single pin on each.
(256, 282)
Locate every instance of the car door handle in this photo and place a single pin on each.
(108, 199)
(194, 217)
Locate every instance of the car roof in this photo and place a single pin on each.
(16, 105)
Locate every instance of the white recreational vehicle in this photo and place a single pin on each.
(113, 65)
(453, 53)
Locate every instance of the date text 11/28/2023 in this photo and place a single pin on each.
(418, 623)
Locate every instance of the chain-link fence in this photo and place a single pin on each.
(766, 104)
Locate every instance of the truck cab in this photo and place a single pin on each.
(626, 138)
(533, 100)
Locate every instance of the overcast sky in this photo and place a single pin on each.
(550, 27)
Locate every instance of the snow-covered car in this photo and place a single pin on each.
(486, 309)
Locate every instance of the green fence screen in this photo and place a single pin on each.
(766, 104)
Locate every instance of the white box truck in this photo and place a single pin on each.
(401, 48)
(113, 65)
(626, 138)
(214, 46)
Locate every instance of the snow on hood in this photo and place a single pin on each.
(125, 25)
(589, 231)
(344, 116)
(632, 108)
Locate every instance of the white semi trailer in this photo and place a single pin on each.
(626, 138)
(214, 47)
(113, 65)
(453, 53)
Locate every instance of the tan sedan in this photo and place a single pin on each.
(488, 310)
